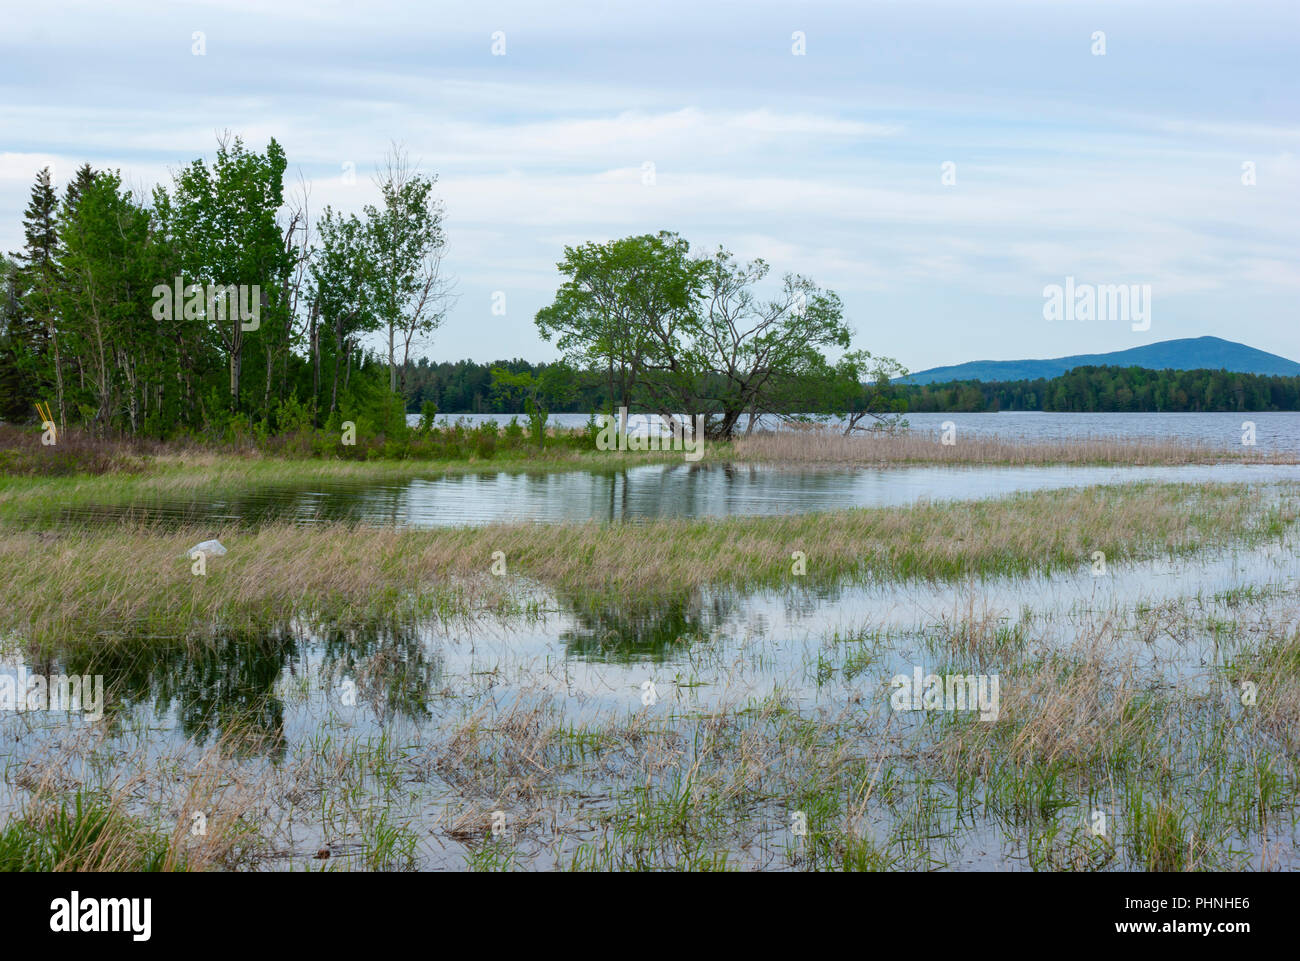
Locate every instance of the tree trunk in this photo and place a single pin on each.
(392, 365)
(314, 345)
(338, 359)
(58, 379)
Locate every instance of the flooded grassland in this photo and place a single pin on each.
(1088, 674)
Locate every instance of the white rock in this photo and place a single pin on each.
(209, 548)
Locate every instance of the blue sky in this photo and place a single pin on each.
(1117, 169)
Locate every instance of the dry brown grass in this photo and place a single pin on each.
(79, 583)
(132, 818)
(832, 447)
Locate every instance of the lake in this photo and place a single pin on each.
(387, 741)
(1274, 430)
(645, 492)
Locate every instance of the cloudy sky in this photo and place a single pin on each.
(1124, 168)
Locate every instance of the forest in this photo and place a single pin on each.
(217, 303)
(1113, 389)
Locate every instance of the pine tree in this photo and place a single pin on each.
(37, 281)
(15, 391)
(77, 185)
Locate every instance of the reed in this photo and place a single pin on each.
(884, 450)
(127, 579)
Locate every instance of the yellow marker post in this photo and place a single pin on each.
(47, 417)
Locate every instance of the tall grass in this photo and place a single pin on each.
(82, 833)
(97, 580)
(829, 447)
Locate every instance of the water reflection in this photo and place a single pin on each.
(389, 664)
(219, 689)
(230, 688)
(258, 692)
(641, 493)
(626, 630)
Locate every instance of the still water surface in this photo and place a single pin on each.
(1275, 431)
(646, 492)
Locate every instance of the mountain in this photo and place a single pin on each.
(1188, 353)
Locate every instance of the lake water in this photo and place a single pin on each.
(1275, 431)
(827, 652)
(347, 723)
(647, 492)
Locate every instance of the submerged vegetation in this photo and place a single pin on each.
(124, 578)
(477, 760)
(660, 695)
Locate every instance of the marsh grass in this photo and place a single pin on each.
(1186, 779)
(885, 449)
(81, 470)
(124, 579)
(205, 475)
(1189, 777)
(82, 833)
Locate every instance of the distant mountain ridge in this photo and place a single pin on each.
(1187, 353)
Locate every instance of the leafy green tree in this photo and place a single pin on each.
(742, 352)
(34, 330)
(15, 347)
(622, 302)
(554, 385)
(342, 288)
(224, 221)
(105, 301)
(867, 391)
(693, 335)
(406, 239)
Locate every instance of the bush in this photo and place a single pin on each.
(292, 417)
(514, 433)
(428, 414)
(485, 441)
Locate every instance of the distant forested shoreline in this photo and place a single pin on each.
(465, 387)
(1113, 390)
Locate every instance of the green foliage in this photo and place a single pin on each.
(291, 416)
(694, 335)
(619, 298)
(514, 432)
(200, 311)
(428, 414)
(554, 384)
(485, 443)
(84, 835)
(404, 244)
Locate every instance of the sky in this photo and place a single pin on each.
(937, 164)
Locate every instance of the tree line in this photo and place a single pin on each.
(1108, 389)
(216, 304)
(216, 300)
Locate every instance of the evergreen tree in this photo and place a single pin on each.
(34, 336)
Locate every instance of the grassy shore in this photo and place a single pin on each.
(891, 450)
(129, 579)
(224, 687)
(208, 475)
(123, 475)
